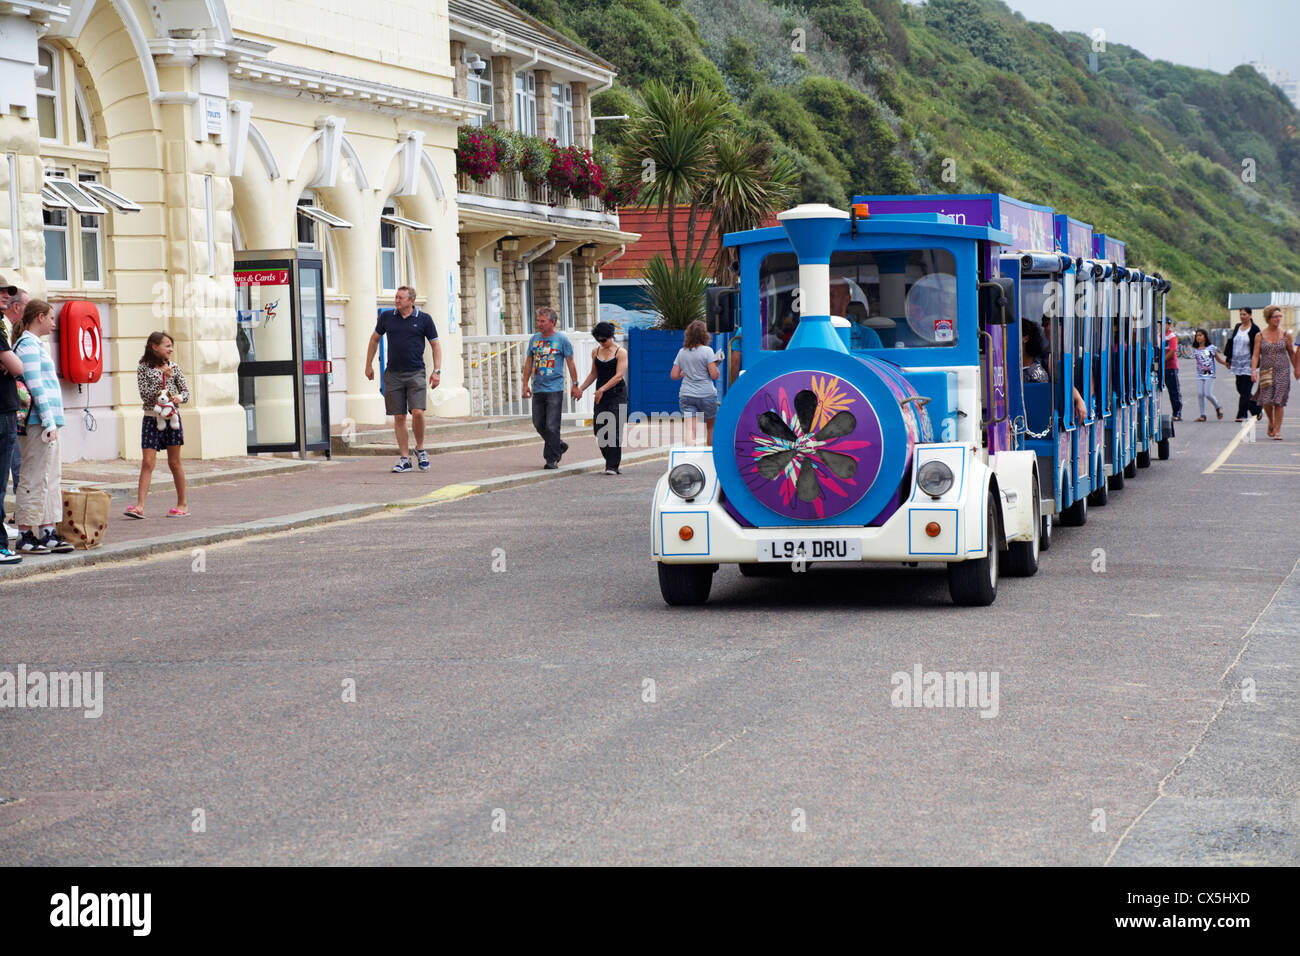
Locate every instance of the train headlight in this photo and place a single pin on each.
(934, 478)
(687, 481)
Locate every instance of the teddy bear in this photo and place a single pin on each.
(164, 411)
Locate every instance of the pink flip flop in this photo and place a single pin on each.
(133, 511)
(177, 513)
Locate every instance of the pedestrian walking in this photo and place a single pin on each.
(609, 372)
(1271, 367)
(1237, 352)
(160, 380)
(696, 366)
(548, 353)
(11, 369)
(1172, 384)
(1206, 354)
(40, 499)
(407, 328)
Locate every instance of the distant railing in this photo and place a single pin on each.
(494, 374)
(511, 186)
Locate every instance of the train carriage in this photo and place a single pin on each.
(879, 416)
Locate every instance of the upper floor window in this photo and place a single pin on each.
(526, 103)
(562, 113)
(480, 86)
(47, 94)
(56, 112)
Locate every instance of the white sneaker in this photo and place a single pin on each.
(11, 531)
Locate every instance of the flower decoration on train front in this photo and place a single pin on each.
(804, 455)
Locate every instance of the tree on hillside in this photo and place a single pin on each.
(684, 147)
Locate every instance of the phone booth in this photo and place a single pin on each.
(284, 363)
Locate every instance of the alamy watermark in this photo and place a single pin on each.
(74, 690)
(922, 688)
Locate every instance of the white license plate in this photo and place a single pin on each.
(810, 549)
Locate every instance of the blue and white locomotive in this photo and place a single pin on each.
(893, 427)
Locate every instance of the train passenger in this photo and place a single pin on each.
(1271, 366)
(1033, 343)
(1206, 354)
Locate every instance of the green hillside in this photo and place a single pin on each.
(967, 96)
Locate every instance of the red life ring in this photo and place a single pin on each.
(81, 345)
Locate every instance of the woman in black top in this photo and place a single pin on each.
(609, 372)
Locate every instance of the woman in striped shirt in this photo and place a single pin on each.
(40, 499)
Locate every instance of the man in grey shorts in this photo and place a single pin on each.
(407, 328)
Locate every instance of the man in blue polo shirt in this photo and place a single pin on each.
(407, 329)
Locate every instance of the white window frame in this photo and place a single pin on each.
(480, 90)
(526, 102)
(562, 113)
(80, 111)
(98, 231)
(322, 241)
(390, 252)
(56, 64)
(564, 287)
(15, 231)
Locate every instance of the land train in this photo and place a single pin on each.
(898, 423)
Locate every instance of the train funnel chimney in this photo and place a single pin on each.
(813, 230)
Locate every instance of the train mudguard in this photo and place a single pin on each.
(1015, 471)
(81, 349)
(812, 436)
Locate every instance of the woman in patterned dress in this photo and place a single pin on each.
(155, 374)
(1274, 350)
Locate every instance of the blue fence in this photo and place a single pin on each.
(650, 354)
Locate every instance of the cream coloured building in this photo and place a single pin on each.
(146, 145)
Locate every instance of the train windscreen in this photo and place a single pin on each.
(899, 298)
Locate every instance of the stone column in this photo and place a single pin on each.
(582, 131)
(503, 93)
(546, 282)
(469, 309)
(215, 423)
(586, 308)
(511, 302)
(460, 85)
(545, 120)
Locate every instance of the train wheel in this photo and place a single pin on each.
(1162, 449)
(1144, 458)
(975, 583)
(1022, 556)
(1099, 496)
(1131, 470)
(685, 583)
(1076, 514)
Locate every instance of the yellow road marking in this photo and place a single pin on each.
(1232, 446)
(451, 492)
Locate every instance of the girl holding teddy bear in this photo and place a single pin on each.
(162, 387)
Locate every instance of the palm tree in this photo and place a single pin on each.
(683, 147)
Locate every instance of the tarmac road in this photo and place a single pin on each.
(518, 696)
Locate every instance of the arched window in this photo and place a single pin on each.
(76, 200)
